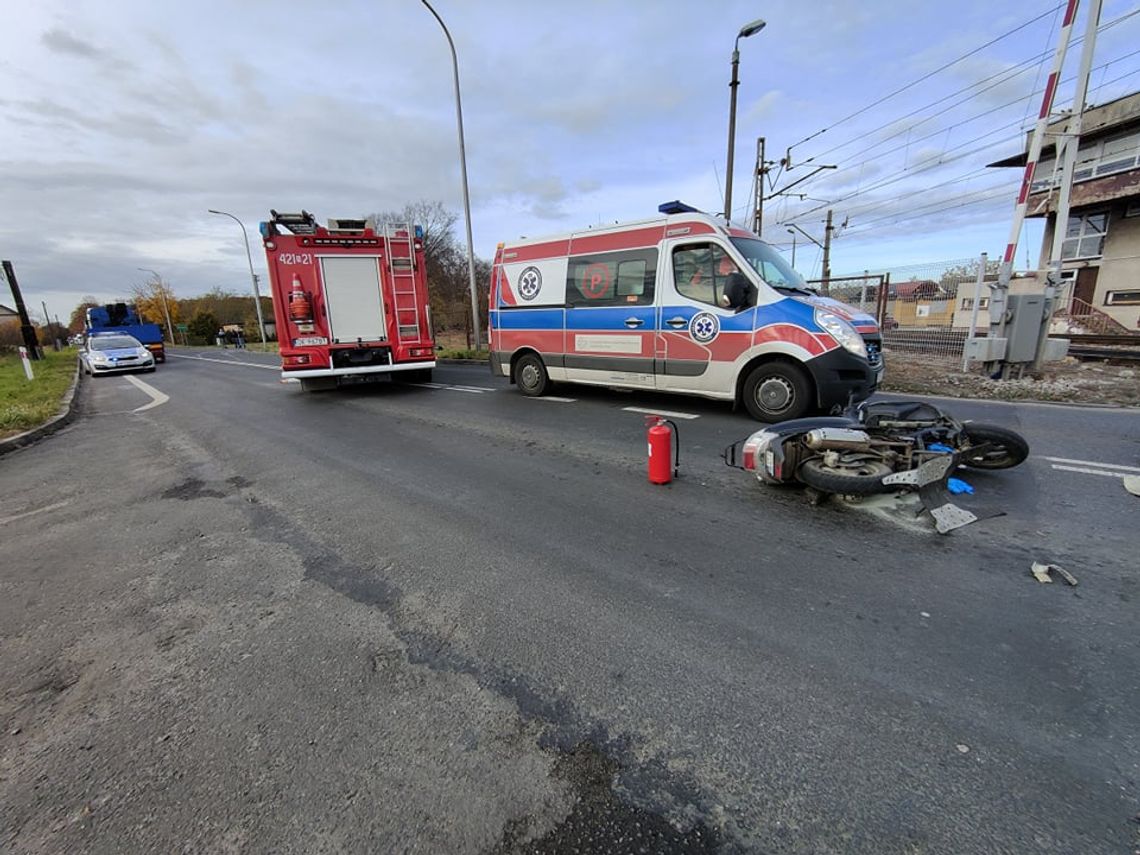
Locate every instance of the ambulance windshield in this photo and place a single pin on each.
(770, 265)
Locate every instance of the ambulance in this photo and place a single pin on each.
(684, 303)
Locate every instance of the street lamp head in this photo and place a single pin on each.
(212, 211)
(751, 29)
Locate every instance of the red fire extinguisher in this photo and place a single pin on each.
(300, 306)
(664, 456)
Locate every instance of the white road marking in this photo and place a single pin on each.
(6, 520)
(666, 413)
(1088, 471)
(157, 398)
(290, 379)
(226, 361)
(1091, 463)
(555, 399)
(473, 388)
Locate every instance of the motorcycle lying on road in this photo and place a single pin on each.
(880, 447)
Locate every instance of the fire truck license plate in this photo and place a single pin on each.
(310, 340)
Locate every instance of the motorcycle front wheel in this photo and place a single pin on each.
(852, 478)
(1003, 449)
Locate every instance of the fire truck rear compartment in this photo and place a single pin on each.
(355, 304)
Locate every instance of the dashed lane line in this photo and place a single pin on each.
(555, 398)
(667, 413)
(1086, 471)
(226, 361)
(1095, 463)
(44, 509)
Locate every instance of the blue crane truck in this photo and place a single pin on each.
(123, 318)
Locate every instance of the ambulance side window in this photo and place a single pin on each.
(699, 272)
(612, 278)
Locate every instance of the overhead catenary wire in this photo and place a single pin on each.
(1003, 76)
(1013, 71)
(1027, 98)
(941, 159)
(998, 195)
(927, 76)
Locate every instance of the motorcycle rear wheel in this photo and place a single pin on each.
(861, 479)
(1006, 448)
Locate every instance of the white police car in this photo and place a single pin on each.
(105, 353)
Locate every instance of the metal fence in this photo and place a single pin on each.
(925, 310)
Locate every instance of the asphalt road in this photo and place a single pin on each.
(450, 618)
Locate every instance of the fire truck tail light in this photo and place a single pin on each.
(297, 360)
(270, 245)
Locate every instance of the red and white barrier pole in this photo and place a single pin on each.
(27, 363)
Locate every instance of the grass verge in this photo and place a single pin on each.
(24, 403)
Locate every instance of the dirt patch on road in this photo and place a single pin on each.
(1069, 382)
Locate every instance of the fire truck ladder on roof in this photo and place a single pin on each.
(402, 268)
(303, 223)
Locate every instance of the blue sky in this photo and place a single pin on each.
(123, 122)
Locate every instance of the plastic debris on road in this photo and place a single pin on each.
(1041, 572)
(957, 486)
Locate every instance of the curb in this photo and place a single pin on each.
(65, 415)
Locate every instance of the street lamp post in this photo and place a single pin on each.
(162, 293)
(463, 170)
(252, 275)
(745, 31)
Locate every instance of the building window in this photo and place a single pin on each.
(968, 303)
(1085, 236)
(1122, 298)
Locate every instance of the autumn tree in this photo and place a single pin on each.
(444, 255)
(77, 323)
(153, 300)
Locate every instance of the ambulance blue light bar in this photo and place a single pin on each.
(677, 207)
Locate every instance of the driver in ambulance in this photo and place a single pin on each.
(737, 292)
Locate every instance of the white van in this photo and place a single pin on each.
(679, 303)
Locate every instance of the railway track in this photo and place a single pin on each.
(1115, 348)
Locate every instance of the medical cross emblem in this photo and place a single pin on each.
(704, 327)
(530, 280)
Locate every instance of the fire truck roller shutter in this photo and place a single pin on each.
(352, 294)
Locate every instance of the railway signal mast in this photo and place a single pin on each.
(1019, 325)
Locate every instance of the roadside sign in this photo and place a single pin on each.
(182, 327)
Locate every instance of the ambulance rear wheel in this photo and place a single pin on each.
(531, 376)
(776, 392)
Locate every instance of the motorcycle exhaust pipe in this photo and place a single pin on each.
(838, 439)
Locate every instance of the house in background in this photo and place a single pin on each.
(1101, 251)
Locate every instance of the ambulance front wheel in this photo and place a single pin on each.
(531, 376)
(776, 392)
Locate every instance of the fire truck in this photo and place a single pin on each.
(350, 299)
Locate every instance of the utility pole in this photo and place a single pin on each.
(26, 328)
(758, 205)
(47, 326)
(827, 254)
